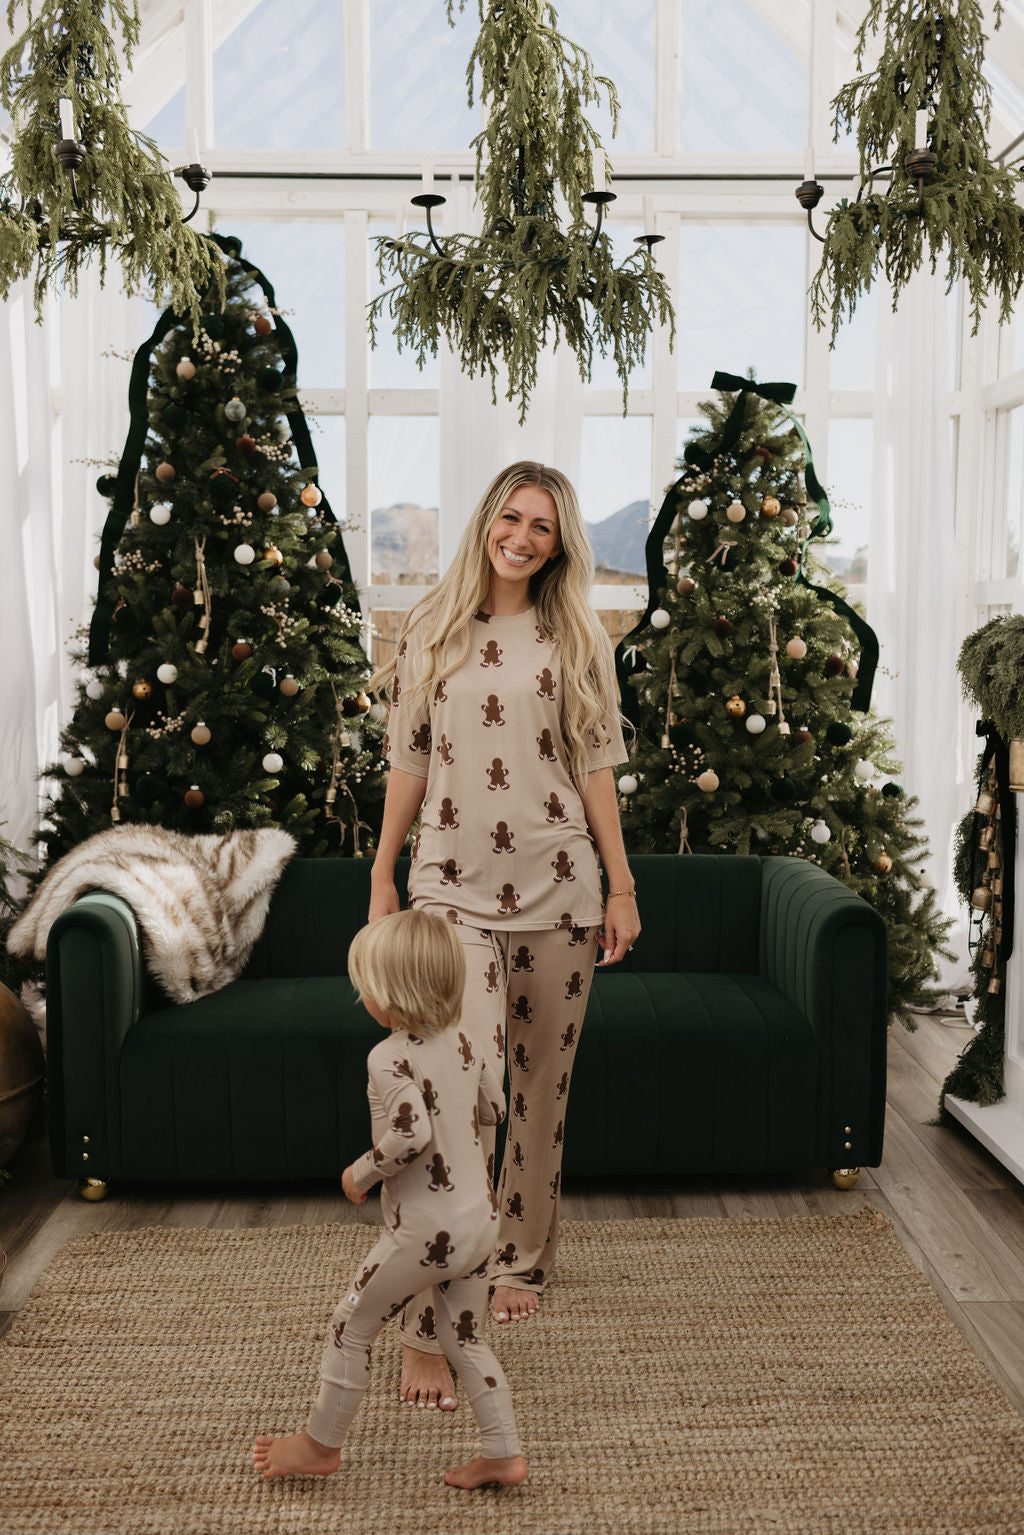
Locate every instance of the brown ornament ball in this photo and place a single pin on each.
(722, 627)
(201, 733)
(789, 517)
(96, 561)
(181, 596)
(288, 686)
(114, 720)
(883, 863)
(788, 567)
(764, 453)
(241, 650)
(362, 701)
(186, 369)
(194, 797)
(261, 325)
(835, 666)
(802, 736)
(708, 781)
(350, 708)
(266, 501)
(245, 444)
(736, 707)
(142, 688)
(771, 506)
(273, 554)
(685, 585)
(324, 559)
(165, 473)
(311, 495)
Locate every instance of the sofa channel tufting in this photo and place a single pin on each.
(745, 1033)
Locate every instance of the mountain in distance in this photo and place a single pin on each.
(404, 542)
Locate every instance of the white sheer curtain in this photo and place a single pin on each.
(66, 403)
(912, 575)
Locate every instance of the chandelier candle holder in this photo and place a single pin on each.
(500, 297)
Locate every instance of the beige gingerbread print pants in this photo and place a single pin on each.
(530, 988)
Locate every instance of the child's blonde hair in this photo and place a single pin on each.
(410, 964)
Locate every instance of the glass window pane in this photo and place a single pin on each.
(1014, 490)
(168, 125)
(615, 493)
(278, 80)
(327, 434)
(603, 373)
(852, 363)
(850, 451)
(389, 367)
(620, 41)
(742, 84)
(742, 301)
(405, 481)
(304, 262)
(418, 94)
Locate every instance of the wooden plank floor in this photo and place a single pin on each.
(956, 1210)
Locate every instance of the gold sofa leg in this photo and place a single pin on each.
(92, 1188)
(845, 1177)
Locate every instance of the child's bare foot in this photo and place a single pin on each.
(298, 1455)
(426, 1380)
(480, 1472)
(512, 1305)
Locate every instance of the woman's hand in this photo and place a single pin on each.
(383, 899)
(621, 928)
(351, 1188)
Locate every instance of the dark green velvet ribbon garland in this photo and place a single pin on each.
(997, 752)
(780, 394)
(131, 456)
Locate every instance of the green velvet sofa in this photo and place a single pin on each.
(745, 1033)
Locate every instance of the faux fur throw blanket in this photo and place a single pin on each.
(201, 902)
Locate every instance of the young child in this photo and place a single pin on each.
(429, 1092)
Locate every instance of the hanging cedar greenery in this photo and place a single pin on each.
(130, 212)
(499, 297)
(931, 60)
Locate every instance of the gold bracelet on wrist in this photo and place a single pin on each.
(620, 892)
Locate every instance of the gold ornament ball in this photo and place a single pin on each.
(142, 688)
(324, 559)
(883, 863)
(186, 369)
(796, 648)
(261, 325)
(288, 686)
(362, 702)
(685, 585)
(114, 720)
(770, 506)
(736, 707)
(736, 511)
(194, 797)
(708, 781)
(241, 650)
(311, 495)
(165, 473)
(273, 554)
(201, 733)
(789, 517)
(266, 501)
(96, 561)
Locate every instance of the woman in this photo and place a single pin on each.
(504, 730)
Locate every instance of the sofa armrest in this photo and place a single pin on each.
(95, 984)
(824, 948)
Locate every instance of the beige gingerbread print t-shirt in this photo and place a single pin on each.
(503, 840)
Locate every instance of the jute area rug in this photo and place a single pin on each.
(682, 1375)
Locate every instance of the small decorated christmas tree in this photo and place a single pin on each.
(753, 728)
(226, 671)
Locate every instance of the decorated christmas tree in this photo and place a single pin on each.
(749, 681)
(225, 672)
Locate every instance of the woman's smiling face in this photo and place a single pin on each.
(522, 538)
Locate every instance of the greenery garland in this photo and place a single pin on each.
(931, 59)
(499, 297)
(130, 210)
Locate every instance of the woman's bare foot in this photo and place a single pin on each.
(511, 1305)
(480, 1472)
(298, 1455)
(426, 1380)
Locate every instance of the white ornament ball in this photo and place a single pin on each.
(660, 619)
(736, 511)
(166, 673)
(796, 648)
(820, 833)
(160, 514)
(708, 781)
(755, 723)
(864, 769)
(201, 733)
(73, 766)
(273, 762)
(245, 554)
(186, 368)
(697, 510)
(628, 784)
(95, 689)
(235, 409)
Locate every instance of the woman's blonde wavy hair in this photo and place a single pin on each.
(560, 592)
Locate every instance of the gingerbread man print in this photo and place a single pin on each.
(475, 1122)
(502, 838)
(508, 1256)
(519, 1107)
(491, 654)
(508, 900)
(403, 647)
(445, 750)
(517, 1157)
(440, 696)
(446, 816)
(556, 1180)
(466, 1051)
(555, 809)
(522, 1010)
(568, 1037)
(558, 1134)
(396, 688)
(547, 684)
(563, 1086)
(564, 925)
(421, 739)
(521, 959)
(404, 1120)
(465, 1328)
(401, 1069)
(439, 1174)
(366, 1276)
(498, 774)
(450, 872)
(452, 916)
(339, 1330)
(563, 867)
(577, 935)
(493, 710)
(426, 1327)
(521, 1058)
(491, 976)
(574, 986)
(515, 1206)
(438, 1251)
(499, 1039)
(547, 747)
